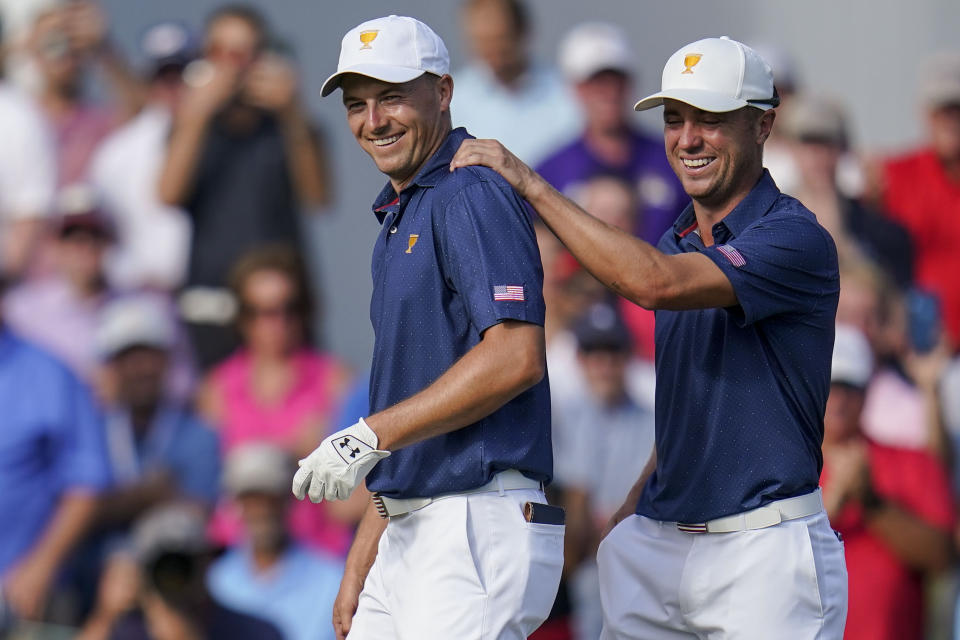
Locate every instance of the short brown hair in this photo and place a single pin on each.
(282, 259)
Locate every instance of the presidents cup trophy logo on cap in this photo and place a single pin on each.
(406, 49)
(690, 61)
(366, 37)
(718, 75)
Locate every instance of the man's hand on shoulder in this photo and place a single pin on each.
(492, 154)
(338, 465)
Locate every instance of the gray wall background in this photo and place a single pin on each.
(864, 52)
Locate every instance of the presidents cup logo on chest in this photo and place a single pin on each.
(412, 240)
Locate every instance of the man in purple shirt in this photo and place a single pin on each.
(597, 59)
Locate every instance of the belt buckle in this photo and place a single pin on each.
(697, 527)
(381, 507)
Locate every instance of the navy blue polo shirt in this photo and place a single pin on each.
(741, 391)
(456, 255)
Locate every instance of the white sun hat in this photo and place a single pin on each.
(852, 357)
(718, 75)
(592, 47)
(394, 49)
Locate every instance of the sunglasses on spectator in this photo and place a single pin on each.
(286, 310)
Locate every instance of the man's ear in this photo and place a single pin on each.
(765, 125)
(445, 91)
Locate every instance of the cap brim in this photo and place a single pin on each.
(699, 98)
(384, 72)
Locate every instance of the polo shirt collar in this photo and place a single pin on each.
(436, 167)
(753, 207)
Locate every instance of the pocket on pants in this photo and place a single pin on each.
(545, 548)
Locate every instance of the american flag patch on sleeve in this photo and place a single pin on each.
(731, 254)
(503, 292)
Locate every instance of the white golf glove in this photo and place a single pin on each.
(334, 469)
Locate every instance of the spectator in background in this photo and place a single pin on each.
(165, 596)
(892, 506)
(63, 41)
(921, 189)
(60, 311)
(159, 450)
(602, 441)
(503, 93)
(613, 200)
(152, 238)
(597, 60)
(569, 291)
(52, 464)
(27, 176)
(903, 404)
(276, 388)
(818, 137)
(243, 160)
(269, 575)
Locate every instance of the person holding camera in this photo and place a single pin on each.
(157, 588)
(242, 160)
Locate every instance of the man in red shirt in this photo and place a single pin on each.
(922, 189)
(892, 507)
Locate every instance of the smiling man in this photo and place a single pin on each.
(458, 442)
(727, 537)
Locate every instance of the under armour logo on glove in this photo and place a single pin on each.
(347, 444)
(335, 468)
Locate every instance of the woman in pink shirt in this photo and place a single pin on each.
(277, 389)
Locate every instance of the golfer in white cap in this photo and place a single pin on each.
(724, 535)
(458, 541)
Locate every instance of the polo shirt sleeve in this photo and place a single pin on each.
(80, 459)
(780, 265)
(490, 256)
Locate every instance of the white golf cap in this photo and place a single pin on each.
(258, 467)
(394, 49)
(592, 47)
(140, 320)
(852, 357)
(718, 75)
(940, 80)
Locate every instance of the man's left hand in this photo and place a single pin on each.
(338, 465)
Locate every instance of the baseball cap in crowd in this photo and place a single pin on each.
(394, 49)
(78, 207)
(592, 47)
(168, 45)
(169, 528)
(718, 75)
(852, 358)
(940, 80)
(133, 321)
(814, 118)
(602, 327)
(258, 467)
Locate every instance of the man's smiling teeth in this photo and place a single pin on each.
(382, 142)
(696, 163)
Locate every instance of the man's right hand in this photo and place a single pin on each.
(346, 604)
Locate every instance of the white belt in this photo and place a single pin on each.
(762, 517)
(503, 481)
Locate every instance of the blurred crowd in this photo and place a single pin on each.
(160, 368)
